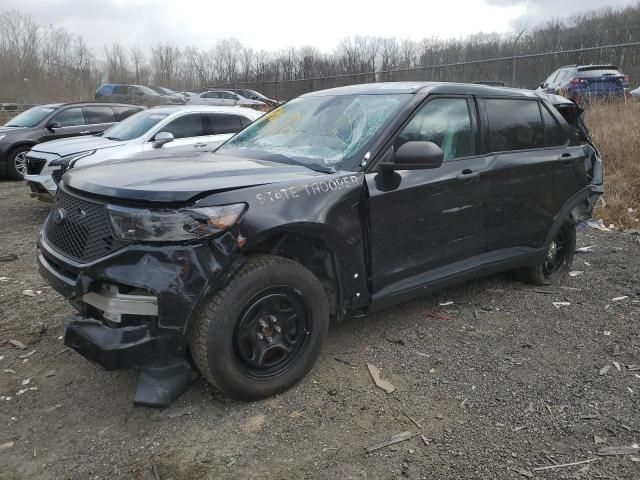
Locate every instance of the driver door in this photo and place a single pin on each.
(189, 132)
(424, 221)
(69, 122)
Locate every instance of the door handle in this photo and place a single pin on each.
(468, 174)
(566, 159)
(200, 145)
(85, 132)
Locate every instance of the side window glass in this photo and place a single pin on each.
(445, 122)
(552, 77)
(514, 124)
(99, 115)
(119, 90)
(124, 112)
(221, 123)
(553, 132)
(185, 126)
(70, 117)
(244, 121)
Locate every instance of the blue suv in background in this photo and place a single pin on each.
(579, 82)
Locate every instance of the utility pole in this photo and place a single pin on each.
(513, 65)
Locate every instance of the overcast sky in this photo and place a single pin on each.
(275, 24)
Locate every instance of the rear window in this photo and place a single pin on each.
(99, 115)
(590, 72)
(221, 123)
(514, 124)
(553, 132)
(125, 112)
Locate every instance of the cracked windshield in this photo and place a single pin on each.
(323, 133)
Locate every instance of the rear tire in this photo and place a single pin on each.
(558, 261)
(17, 163)
(263, 331)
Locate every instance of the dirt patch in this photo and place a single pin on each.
(502, 383)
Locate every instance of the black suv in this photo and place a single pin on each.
(51, 122)
(339, 202)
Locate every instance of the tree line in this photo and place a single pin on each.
(39, 64)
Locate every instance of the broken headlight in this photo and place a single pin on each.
(167, 225)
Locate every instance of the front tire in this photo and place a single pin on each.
(558, 260)
(17, 163)
(262, 332)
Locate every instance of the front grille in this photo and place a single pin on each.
(35, 165)
(80, 229)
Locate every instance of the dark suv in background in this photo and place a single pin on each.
(340, 202)
(586, 82)
(136, 94)
(51, 122)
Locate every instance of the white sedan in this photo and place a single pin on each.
(223, 98)
(145, 134)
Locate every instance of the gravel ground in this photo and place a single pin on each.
(500, 382)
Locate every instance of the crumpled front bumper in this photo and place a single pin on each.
(178, 277)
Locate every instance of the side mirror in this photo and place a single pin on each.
(52, 125)
(161, 138)
(543, 85)
(415, 156)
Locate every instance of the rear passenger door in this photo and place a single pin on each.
(526, 177)
(99, 118)
(223, 126)
(189, 132)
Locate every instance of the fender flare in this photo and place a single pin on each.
(565, 212)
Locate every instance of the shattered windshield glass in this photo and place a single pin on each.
(319, 132)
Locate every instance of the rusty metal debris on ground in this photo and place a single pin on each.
(440, 315)
(399, 437)
(587, 249)
(385, 385)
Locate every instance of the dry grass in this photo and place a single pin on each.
(616, 132)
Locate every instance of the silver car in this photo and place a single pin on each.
(223, 97)
(145, 134)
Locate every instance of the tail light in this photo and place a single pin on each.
(577, 81)
(625, 81)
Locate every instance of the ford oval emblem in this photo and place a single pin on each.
(59, 215)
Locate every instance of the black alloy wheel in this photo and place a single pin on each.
(271, 332)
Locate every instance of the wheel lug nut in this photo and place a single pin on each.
(269, 339)
(278, 329)
(260, 336)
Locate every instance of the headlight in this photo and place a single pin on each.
(68, 161)
(165, 225)
(2, 136)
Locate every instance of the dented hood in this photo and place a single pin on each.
(176, 180)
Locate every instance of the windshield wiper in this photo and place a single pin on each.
(10, 125)
(318, 167)
(114, 138)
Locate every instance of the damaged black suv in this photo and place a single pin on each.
(339, 202)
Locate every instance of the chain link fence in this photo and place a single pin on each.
(523, 70)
